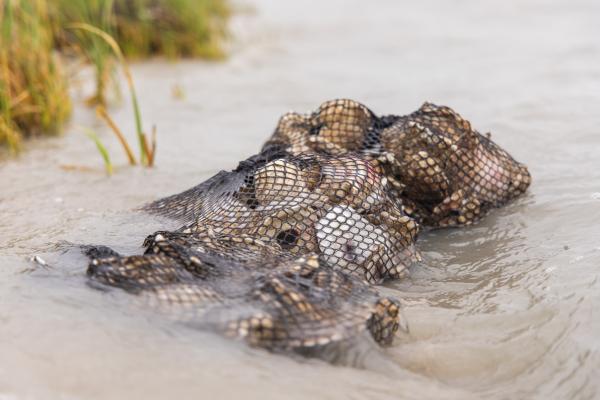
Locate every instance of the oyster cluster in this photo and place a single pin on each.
(444, 172)
(337, 127)
(335, 206)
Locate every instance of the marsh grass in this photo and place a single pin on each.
(97, 13)
(145, 151)
(35, 34)
(34, 96)
(174, 28)
(143, 28)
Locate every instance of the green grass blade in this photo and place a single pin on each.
(101, 149)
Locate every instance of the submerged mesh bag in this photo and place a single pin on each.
(277, 303)
(280, 251)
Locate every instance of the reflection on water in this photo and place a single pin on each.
(503, 309)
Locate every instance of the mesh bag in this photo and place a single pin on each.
(280, 252)
(445, 172)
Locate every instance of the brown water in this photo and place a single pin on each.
(505, 309)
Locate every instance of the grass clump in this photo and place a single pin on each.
(174, 28)
(34, 95)
(97, 13)
(142, 28)
(35, 34)
(145, 151)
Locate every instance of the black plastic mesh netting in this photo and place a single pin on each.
(282, 250)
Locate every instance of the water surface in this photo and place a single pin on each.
(505, 309)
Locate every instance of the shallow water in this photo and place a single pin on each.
(505, 309)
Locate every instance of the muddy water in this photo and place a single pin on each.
(505, 309)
